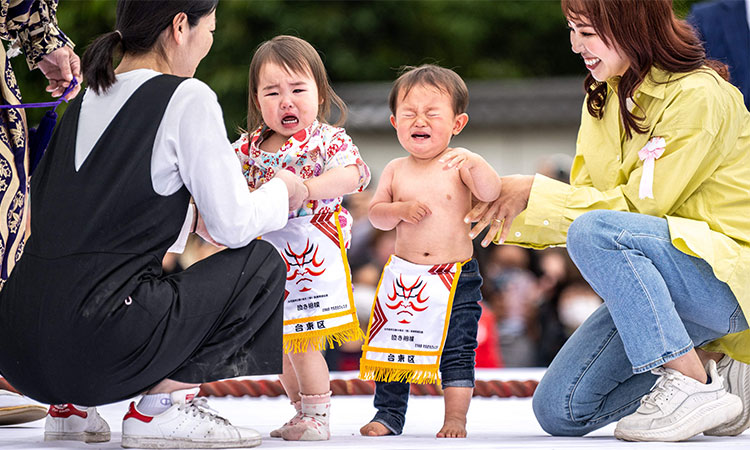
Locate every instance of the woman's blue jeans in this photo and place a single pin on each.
(658, 304)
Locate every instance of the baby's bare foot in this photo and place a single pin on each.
(374, 429)
(453, 428)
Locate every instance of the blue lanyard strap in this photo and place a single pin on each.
(55, 104)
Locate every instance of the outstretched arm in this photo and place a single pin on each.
(499, 214)
(384, 213)
(333, 183)
(475, 172)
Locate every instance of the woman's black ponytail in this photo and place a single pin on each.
(139, 25)
(98, 69)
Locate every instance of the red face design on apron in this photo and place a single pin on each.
(407, 300)
(302, 267)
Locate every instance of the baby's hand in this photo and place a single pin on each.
(458, 158)
(414, 211)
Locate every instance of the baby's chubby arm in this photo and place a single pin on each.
(475, 172)
(384, 213)
(333, 183)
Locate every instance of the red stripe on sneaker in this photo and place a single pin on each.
(66, 410)
(134, 414)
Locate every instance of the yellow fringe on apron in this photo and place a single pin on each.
(398, 372)
(322, 339)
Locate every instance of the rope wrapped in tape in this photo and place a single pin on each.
(273, 388)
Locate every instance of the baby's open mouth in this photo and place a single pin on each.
(289, 120)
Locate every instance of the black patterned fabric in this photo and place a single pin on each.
(32, 26)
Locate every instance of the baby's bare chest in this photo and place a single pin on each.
(434, 186)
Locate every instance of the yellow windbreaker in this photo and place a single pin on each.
(701, 182)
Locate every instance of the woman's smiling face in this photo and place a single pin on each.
(603, 61)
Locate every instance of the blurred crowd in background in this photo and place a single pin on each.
(533, 300)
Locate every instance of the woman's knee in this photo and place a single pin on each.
(593, 229)
(264, 249)
(584, 226)
(551, 413)
(269, 257)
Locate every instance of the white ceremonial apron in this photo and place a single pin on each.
(409, 322)
(318, 302)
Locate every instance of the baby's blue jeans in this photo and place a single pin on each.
(457, 360)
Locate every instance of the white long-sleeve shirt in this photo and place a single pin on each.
(191, 149)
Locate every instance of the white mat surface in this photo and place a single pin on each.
(492, 424)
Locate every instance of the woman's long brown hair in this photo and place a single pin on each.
(648, 34)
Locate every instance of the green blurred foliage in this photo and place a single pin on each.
(359, 40)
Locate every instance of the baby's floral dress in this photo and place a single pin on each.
(308, 153)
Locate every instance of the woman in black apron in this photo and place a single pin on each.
(86, 317)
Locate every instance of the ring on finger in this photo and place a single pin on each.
(499, 220)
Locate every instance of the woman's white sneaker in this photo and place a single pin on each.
(736, 381)
(679, 407)
(15, 408)
(67, 422)
(188, 423)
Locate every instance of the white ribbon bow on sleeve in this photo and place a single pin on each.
(650, 152)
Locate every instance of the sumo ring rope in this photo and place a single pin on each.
(272, 388)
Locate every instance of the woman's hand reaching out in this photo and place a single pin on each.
(499, 214)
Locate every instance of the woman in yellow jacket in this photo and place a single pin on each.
(657, 219)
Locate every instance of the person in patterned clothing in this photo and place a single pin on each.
(32, 27)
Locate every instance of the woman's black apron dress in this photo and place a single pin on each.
(86, 316)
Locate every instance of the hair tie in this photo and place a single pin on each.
(119, 33)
